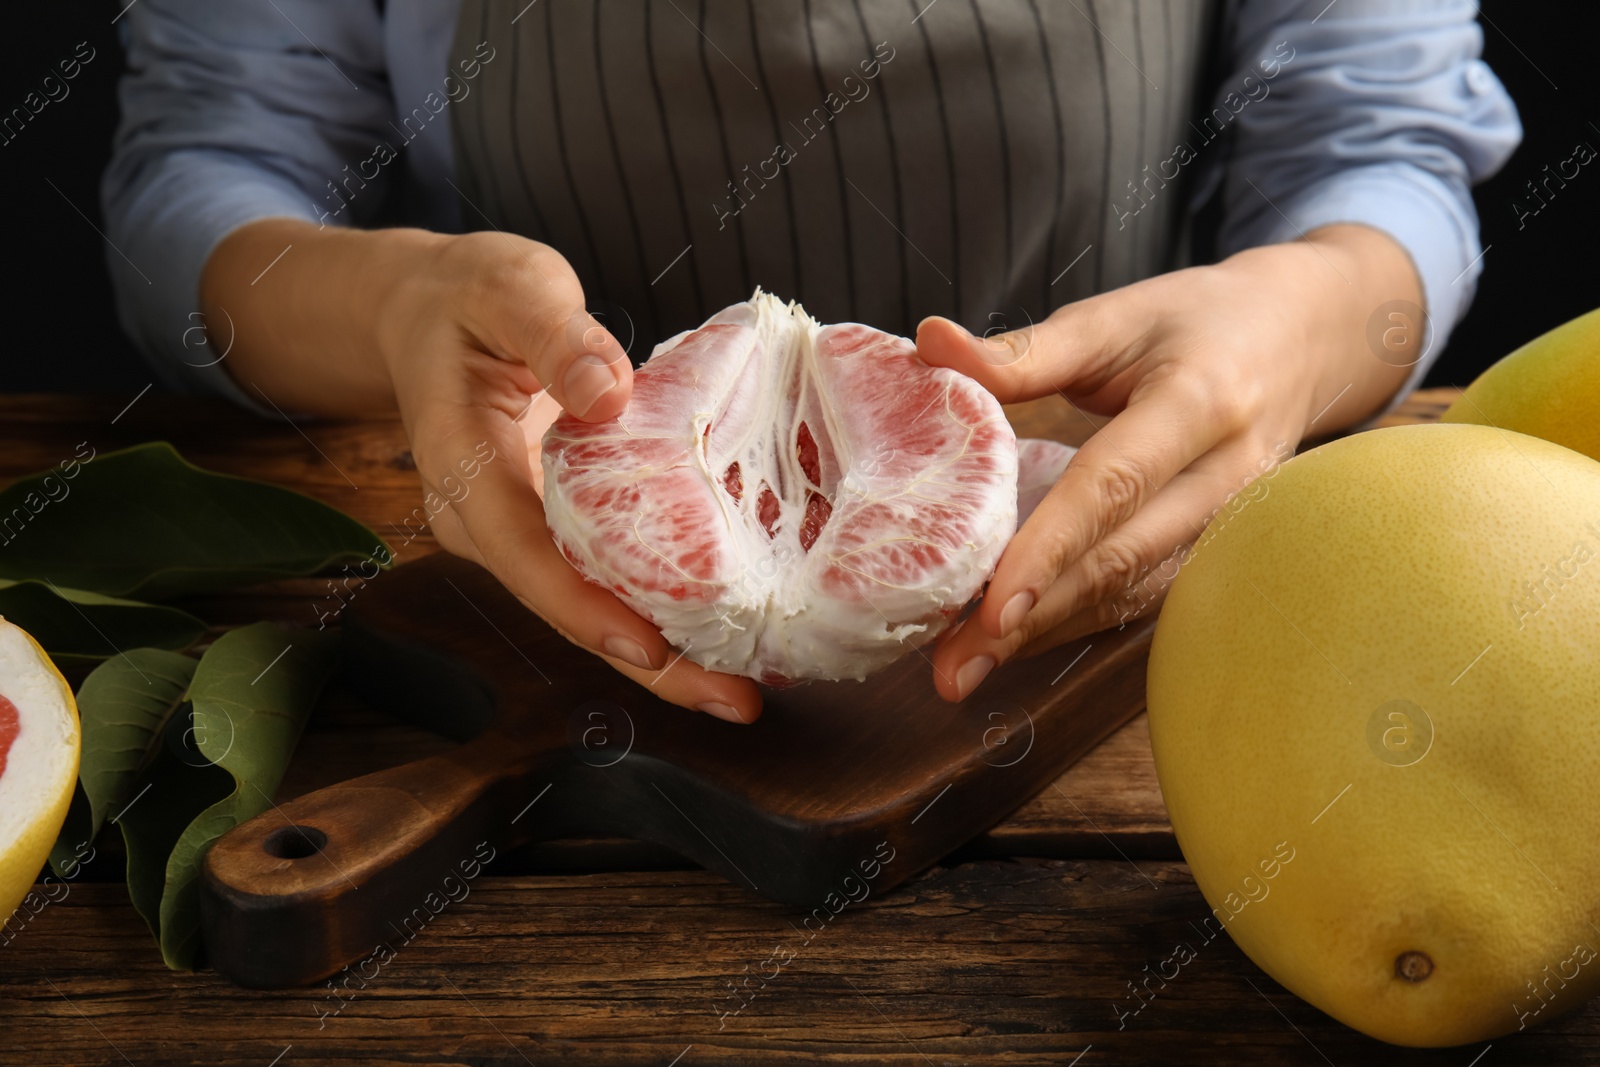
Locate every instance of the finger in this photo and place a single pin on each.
(1079, 348)
(951, 685)
(1091, 620)
(1094, 619)
(1125, 575)
(542, 410)
(530, 309)
(503, 517)
(1106, 615)
(690, 685)
(680, 682)
(1112, 476)
(478, 457)
(1121, 578)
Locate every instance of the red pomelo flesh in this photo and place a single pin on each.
(10, 726)
(788, 500)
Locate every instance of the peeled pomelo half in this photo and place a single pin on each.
(39, 744)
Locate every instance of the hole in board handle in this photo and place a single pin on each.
(294, 842)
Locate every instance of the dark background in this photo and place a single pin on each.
(61, 333)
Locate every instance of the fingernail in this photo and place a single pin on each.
(628, 650)
(940, 318)
(588, 379)
(1015, 611)
(971, 673)
(721, 711)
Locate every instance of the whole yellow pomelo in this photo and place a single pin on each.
(1549, 388)
(39, 746)
(1374, 701)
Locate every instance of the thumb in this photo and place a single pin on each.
(944, 343)
(532, 311)
(585, 369)
(1079, 347)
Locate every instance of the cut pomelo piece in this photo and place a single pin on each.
(788, 500)
(39, 744)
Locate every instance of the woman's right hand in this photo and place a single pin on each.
(463, 334)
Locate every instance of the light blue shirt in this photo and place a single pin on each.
(233, 112)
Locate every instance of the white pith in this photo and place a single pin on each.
(43, 758)
(767, 611)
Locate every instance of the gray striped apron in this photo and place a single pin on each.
(876, 160)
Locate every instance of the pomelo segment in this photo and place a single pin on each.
(788, 500)
(39, 747)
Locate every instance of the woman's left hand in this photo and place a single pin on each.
(1213, 374)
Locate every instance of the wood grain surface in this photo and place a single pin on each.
(800, 806)
(1022, 963)
(1021, 950)
(1108, 801)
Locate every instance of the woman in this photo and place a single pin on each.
(411, 205)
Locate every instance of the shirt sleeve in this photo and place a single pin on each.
(232, 113)
(1365, 111)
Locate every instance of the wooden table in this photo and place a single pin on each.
(1019, 949)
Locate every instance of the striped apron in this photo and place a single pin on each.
(877, 160)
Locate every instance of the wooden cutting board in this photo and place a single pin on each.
(840, 790)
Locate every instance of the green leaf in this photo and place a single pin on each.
(78, 627)
(250, 697)
(145, 522)
(123, 708)
(181, 786)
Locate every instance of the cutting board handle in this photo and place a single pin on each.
(307, 886)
